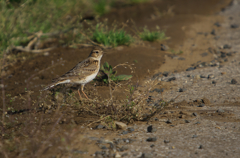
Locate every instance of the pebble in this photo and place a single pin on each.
(130, 129)
(152, 139)
(226, 46)
(213, 32)
(181, 58)
(214, 82)
(121, 125)
(165, 73)
(182, 90)
(171, 79)
(146, 155)
(234, 26)
(152, 145)
(194, 136)
(202, 76)
(151, 129)
(187, 121)
(201, 105)
(210, 76)
(220, 111)
(123, 148)
(194, 114)
(233, 81)
(217, 24)
(166, 141)
(190, 68)
(204, 54)
(157, 75)
(164, 47)
(200, 147)
(124, 154)
(168, 122)
(99, 127)
(158, 90)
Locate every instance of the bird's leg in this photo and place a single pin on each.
(82, 86)
(79, 95)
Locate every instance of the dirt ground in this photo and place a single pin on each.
(199, 72)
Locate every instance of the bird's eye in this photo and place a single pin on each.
(97, 52)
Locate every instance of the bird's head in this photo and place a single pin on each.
(97, 53)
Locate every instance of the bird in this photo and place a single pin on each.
(84, 72)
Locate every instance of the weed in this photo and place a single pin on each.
(110, 74)
(112, 38)
(176, 53)
(151, 36)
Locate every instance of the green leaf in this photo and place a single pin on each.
(123, 77)
(106, 65)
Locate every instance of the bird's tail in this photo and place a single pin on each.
(49, 86)
(54, 84)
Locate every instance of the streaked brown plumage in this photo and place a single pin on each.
(83, 72)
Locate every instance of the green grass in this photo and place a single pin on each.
(111, 38)
(152, 36)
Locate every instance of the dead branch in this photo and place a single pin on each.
(20, 48)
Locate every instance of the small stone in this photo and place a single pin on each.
(171, 79)
(117, 155)
(168, 122)
(200, 147)
(152, 145)
(124, 154)
(223, 55)
(213, 32)
(181, 58)
(234, 26)
(204, 54)
(164, 47)
(210, 76)
(214, 82)
(201, 105)
(99, 127)
(229, 54)
(152, 139)
(182, 89)
(158, 90)
(220, 111)
(123, 148)
(146, 155)
(166, 141)
(194, 114)
(194, 136)
(46, 53)
(102, 146)
(217, 24)
(226, 46)
(165, 73)
(187, 121)
(198, 123)
(233, 81)
(190, 68)
(124, 132)
(202, 76)
(130, 129)
(151, 129)
(121, 125)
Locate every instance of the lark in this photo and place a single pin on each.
(84, 72)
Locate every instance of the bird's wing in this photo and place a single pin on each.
(81, 70)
